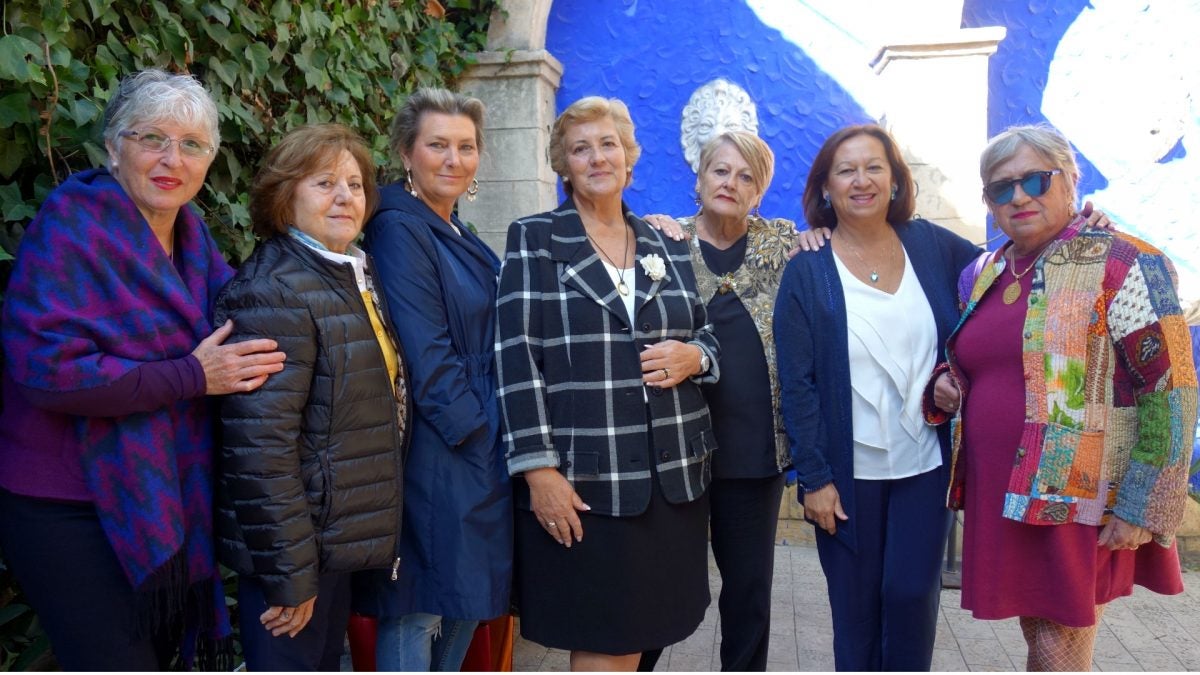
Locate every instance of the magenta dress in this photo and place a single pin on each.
(1055, 572)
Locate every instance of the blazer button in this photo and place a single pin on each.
(657, 391)
(567, 464)
(645, 326)
(664, 456)
(1020, 452)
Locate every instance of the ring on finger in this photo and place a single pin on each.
(551, 523)
(666, 373)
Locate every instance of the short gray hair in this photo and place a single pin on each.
(152, 95)
(1045, 140)
(407, 123)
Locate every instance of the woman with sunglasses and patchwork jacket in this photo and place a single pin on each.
(1072, 384)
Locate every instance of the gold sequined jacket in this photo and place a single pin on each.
(756, 283)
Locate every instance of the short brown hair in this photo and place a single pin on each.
(900, 209)
(590, 109)
(302, 152)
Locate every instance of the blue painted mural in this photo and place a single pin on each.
(1120, 78)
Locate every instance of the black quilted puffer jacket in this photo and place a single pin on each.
(310, 477)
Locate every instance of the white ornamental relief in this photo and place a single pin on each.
(714, 108)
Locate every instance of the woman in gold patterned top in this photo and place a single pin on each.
(738, 258)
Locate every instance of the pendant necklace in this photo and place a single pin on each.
(874, 273)
(621, 287)
(1013, 291)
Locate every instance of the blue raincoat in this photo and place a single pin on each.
(456, 542)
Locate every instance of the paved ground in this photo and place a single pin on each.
(1144, 632)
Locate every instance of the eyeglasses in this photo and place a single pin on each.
(1033, 184)
(158, 142)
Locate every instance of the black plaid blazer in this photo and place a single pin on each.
(570, 378)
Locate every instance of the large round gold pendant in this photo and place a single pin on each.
(624, 290)
(1012, 292)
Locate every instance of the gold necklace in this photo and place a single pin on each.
(1013, 291)
(874, 273)
(621, 287)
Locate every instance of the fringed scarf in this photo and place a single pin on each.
(93, 296)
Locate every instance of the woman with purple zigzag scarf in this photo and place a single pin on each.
(106, 438)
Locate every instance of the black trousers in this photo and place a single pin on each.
(317, 647)
(744, 515)
(72, 578)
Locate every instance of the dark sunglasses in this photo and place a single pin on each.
(1033, 184)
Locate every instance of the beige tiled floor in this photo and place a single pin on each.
(1144, 632)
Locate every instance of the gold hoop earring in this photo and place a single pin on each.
(473, 191)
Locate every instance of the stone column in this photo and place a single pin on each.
(936, 100)
(514, 175)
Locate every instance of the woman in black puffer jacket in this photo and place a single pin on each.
(310, 478)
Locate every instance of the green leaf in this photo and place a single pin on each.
(83, 111)
(219, 34)
(16, 108)
(96, 154)
(258, 56)
(226, 71)
(217, 12)
(17, 59)
(98, 8)
(16, 153)
(281, 11)
(14, 209)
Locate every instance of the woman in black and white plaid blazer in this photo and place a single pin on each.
(602, 342)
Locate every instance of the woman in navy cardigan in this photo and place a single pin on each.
(858, 327)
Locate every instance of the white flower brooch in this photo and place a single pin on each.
(654, 267)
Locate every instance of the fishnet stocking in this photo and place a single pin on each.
(1055, 647)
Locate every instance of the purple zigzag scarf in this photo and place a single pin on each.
(93, 296)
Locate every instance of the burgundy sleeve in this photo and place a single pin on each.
(148, 387)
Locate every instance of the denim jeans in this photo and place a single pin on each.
(422, 643)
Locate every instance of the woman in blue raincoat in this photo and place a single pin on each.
(440, 280)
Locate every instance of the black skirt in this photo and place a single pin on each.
(633, 584)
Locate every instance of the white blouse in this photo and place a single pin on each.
(630, 282)
(892, 340)
(627, 300)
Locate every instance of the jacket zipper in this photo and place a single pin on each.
(401, 443)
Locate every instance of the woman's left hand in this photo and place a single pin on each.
(669, 362)
(290, 620)
(1119, 534)
(667, 225)
(946, 395)
(1096, 219)
(811, 240)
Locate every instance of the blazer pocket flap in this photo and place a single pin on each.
(703, 443)
(582, 464)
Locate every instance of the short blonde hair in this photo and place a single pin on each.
(753, 149)
(590, 109)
